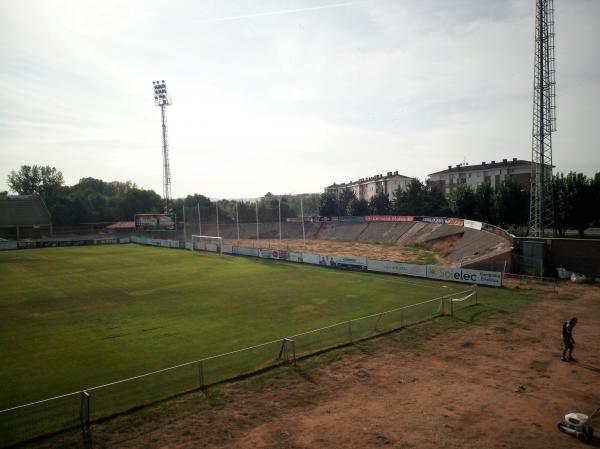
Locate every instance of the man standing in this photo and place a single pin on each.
(568, 342)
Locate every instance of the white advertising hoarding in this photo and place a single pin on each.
(310, 258)
(472, 224)
(480, 277)
(8, 245)
(295, 257)
(405, 269)
(246, 251)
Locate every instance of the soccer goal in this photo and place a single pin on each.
(207, 243)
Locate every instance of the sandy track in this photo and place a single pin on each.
(457, 390)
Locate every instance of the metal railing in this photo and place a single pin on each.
(81, 408)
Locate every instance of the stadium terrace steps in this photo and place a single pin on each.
(335, 230)
(467, 244)
(410, 236)
(476, 243)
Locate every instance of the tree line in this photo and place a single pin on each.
(576, 200)
(576, 203)
(93, 200)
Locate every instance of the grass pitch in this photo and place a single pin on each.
(78, 317)
(74, 318)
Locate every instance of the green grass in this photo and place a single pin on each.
(73, 318)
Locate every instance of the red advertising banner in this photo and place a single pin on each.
(374, 218)
(455, 221)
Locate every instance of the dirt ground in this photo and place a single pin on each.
(498, 383)
(415, 253)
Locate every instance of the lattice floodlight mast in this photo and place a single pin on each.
(163, 99)
(541, 209)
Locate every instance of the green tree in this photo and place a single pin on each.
(344, 200)
(328, 205)
(435, 203)
(411, 200)
(35, 180)
(358, 208)
(485, 209)
(595, 193)
(579, 202)
(380, 204)
(463, 202)
(512, 204)
(560, 197)
(310, 203)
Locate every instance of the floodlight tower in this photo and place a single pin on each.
(541, 208)
(162, 99)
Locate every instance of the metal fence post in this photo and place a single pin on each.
(294, 351)
(451, 307)
(201, 373)
(84, 409)
(377, 322)
(84, 418)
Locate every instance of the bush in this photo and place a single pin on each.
(518, 231)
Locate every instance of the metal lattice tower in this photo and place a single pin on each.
(162, 99)
(541, 210)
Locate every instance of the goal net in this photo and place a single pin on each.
(207, 243)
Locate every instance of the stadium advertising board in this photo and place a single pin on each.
(454, 221)
(106, 241)
(352, 219)
(246, 251)
(228, 249)
(405, 269)
(434, 220)
(384, 218)
(481, 277)
(58, 243)
(155, 222)
(472, 224)
(212, 247)
(8, 245)
(355, 263)
(273, 254)
(295, 257)
(311, 258)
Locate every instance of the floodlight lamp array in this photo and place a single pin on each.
(161, 95)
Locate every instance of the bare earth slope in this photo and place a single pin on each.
(457, 390)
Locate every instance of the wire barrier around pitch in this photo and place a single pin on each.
(81, 408)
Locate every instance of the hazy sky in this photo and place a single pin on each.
(288, 95)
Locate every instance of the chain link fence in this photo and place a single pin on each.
(81, 408)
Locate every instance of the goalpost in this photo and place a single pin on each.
(207, 243)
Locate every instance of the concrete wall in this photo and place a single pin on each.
(579, 255)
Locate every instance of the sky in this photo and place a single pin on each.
(286, 96)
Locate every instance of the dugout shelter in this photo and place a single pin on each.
(23, 216)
